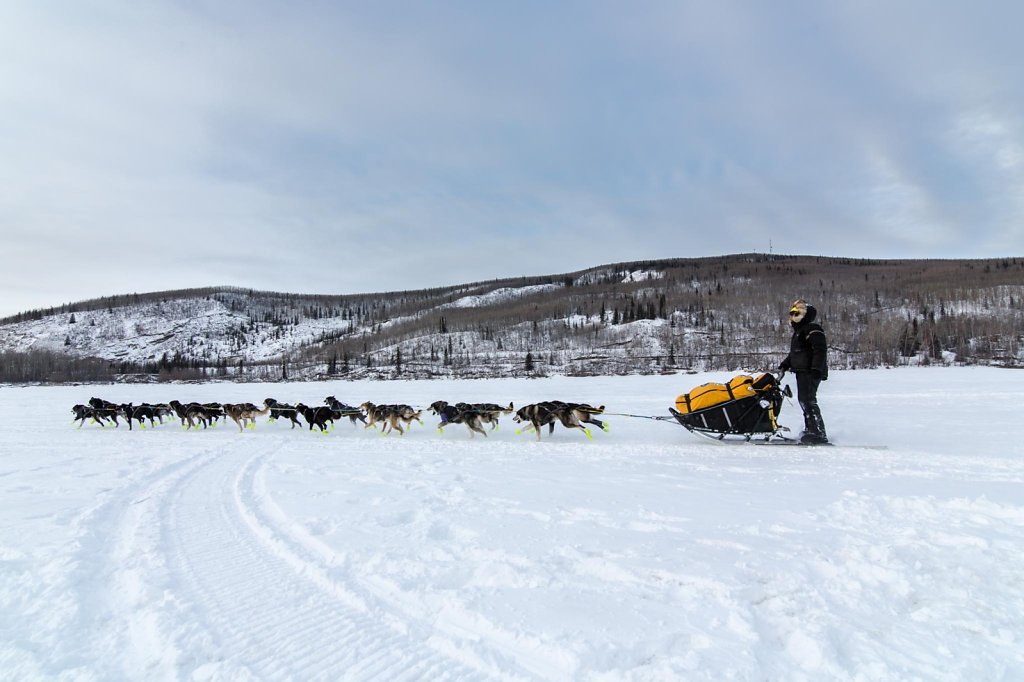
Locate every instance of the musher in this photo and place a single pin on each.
(808, 360)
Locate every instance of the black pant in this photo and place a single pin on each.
(807, 395)
(807, 389)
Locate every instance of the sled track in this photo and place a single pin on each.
(490, 650)
(119, 594)
(267, 612)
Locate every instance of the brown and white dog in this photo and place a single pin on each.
(390, 416)
(490, 412)
(244, 414)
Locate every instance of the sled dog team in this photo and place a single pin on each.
(807, 360)
(390, 417)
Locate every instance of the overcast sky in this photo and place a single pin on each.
(329, 147)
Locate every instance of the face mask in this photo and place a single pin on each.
(797, 311)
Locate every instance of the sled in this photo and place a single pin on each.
(744, 408)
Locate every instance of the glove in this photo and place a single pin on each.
(784, 365)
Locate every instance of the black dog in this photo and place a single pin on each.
(104, 409)
(461, 413)
(282, 411)
(193, 414)
(83, 412)
(318, 416)
(128, 412)
(353, 413)
(143, 412)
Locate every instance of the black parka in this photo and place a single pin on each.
(808, 349)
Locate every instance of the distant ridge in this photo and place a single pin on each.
(668, 315)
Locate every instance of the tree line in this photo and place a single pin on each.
(649, 316)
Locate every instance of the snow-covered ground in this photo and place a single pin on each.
(643, 554)
(500, 295)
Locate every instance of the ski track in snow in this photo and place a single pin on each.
(180, 562)
(252, 607)
(456, 631)
(125, 600)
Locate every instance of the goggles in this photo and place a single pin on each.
(798, 310)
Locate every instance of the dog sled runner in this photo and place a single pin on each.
(744, 408)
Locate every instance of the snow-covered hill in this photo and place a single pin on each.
(644, 317)
(201, 328)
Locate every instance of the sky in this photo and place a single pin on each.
(335, 147)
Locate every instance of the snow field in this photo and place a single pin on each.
(643, 554)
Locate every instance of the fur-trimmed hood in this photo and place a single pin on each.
(806, 313)
(810, 315)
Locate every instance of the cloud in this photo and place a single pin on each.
(366, 147)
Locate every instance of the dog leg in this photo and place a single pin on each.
(576, 425)
(396, 425)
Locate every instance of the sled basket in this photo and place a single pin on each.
(745, 405)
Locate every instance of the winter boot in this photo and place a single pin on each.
(815, 433)
(809, 425)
